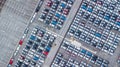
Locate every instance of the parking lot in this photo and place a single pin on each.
(67, 33)
(96, 30)
(37, 48)
(94, 26)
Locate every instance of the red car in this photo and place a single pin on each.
(22, 57)
(21, 42)
(99, 2)
(66, 11)
(11, 61)
(45, 53)
(118, 20)
(49, 3)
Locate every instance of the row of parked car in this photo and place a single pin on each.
(56, 12)
(110, 5)
(99, 15)
(106, 42)
(36, 49)
(99, 22)
(61, 61)
(83, 25)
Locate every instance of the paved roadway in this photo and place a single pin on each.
(13, 20)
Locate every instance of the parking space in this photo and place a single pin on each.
(71, 55)
(55, 13)
(36, 49)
